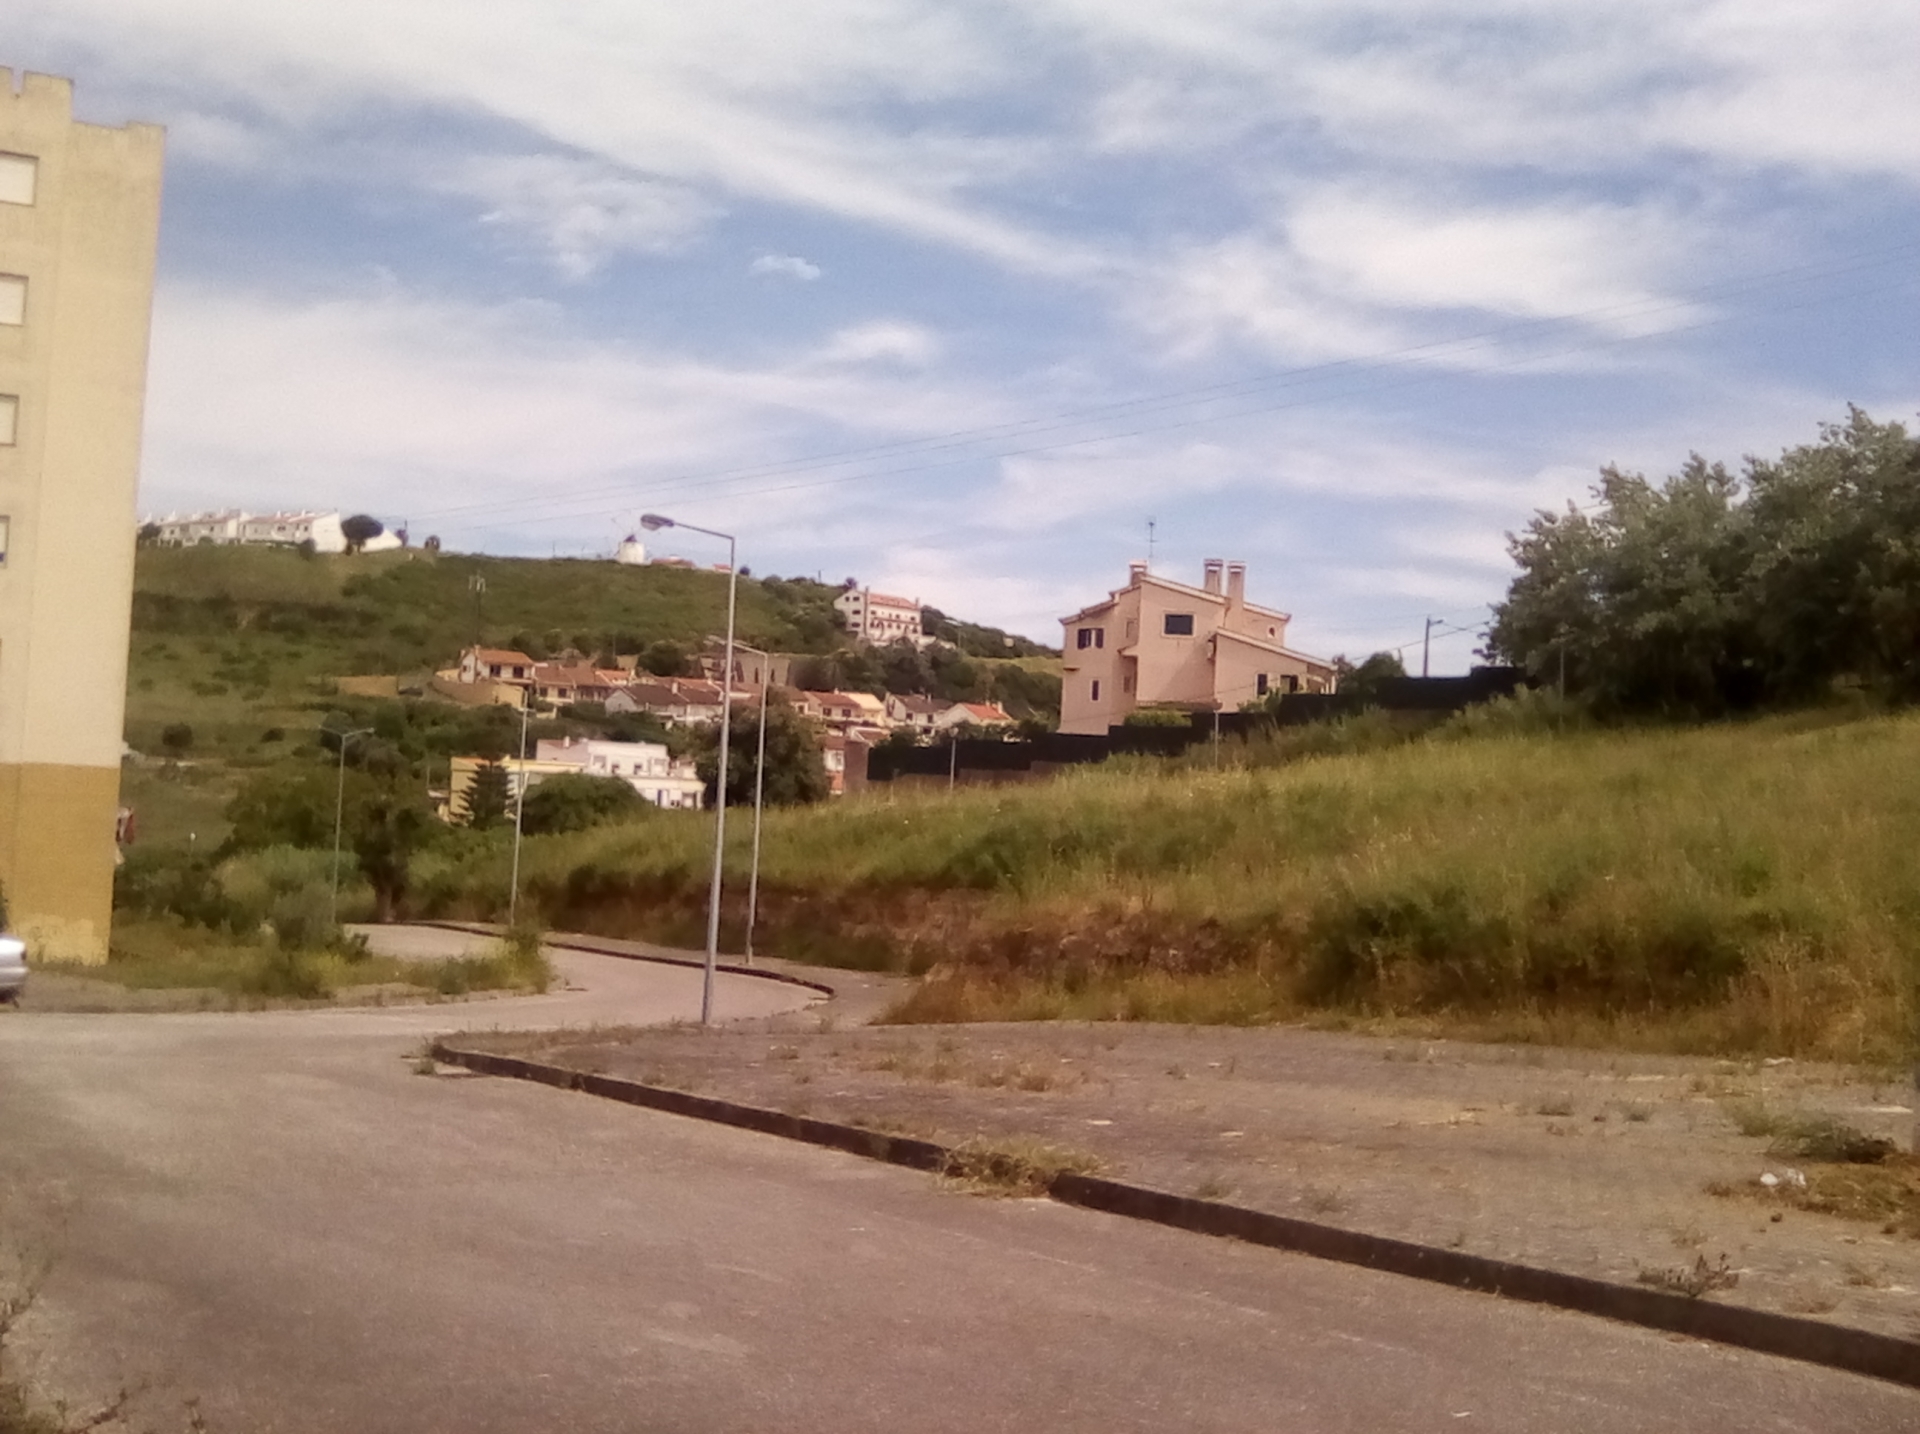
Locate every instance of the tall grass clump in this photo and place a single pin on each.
(1732, 887)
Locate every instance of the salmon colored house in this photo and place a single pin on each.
(1159, 643)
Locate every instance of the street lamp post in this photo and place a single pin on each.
(339, 811)
(519, 809)
(653, 522)
(759, 796)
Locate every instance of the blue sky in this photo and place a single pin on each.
(957, 298)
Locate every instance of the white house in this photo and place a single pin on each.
(645, 766)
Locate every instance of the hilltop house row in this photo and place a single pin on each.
(487, 674)
(232, 526)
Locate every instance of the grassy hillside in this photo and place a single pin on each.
(1734, 888)
(238, 642)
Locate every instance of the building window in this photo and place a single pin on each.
(18, 174)
(9, 420)
(1096, 689)
(1260, 685)
(1179, 624)
(13, 299)
(1126, 684)
(1091, 637)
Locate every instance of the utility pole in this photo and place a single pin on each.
(1150, 534)
(1426, 645)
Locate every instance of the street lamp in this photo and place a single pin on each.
(759, 793)
(519, 809)
(653, 522)
(339, 810)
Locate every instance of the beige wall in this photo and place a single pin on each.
(86, 247)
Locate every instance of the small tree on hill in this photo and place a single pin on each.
(177, 738)
(359, 530)
(490, 797)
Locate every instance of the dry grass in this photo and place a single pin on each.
(1715, 889)
(1017, 1168)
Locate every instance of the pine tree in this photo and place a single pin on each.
(490, 797)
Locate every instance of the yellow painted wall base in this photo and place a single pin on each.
(57, 857)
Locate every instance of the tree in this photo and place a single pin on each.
(148, 535)
(360, 529)
(489, 797)
(389, 824)
(1363, 682)
(281, 808)
(573, 802)
(665, 659)
(1711, 592)
(177, 738)
(796, 775)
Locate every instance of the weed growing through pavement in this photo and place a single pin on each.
(1015, 1168)
(1701, 1278)
(1558, 1105)
(1322, 1200)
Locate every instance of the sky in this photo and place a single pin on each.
(975, 302)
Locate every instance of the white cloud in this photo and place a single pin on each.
(785, 266)
(883, 341)
(495, 415)
(1535, 260)
(578, 212)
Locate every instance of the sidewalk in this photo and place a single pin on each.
(1623, 1168)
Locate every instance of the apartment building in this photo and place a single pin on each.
(1160, 643)
(881, 618)
(79, 227)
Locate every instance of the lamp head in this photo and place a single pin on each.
(653, 522)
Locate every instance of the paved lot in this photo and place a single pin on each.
(274, 1213)
(1582, 1161)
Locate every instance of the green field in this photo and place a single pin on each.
(1746, 887)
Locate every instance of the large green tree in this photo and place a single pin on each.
(795, 773)
(1711, 591)
(574, 801)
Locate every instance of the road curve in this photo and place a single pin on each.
(274, 1214)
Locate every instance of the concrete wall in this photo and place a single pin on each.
(77, 364)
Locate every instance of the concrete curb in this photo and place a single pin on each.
(585, 943)
(1787, 1336)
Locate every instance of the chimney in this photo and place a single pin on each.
(1135, 572)
(1212, 583)
(1236, 586)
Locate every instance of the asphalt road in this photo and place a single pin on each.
(275, 1214)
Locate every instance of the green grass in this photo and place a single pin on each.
(236, 641)
(1738, 888)
(164, 954)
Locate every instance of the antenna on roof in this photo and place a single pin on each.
(1150, 527)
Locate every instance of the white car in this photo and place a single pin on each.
(13, 967)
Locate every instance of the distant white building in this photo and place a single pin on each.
(631, 553)
(881, 618)
(647, 767)
(231, 525)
